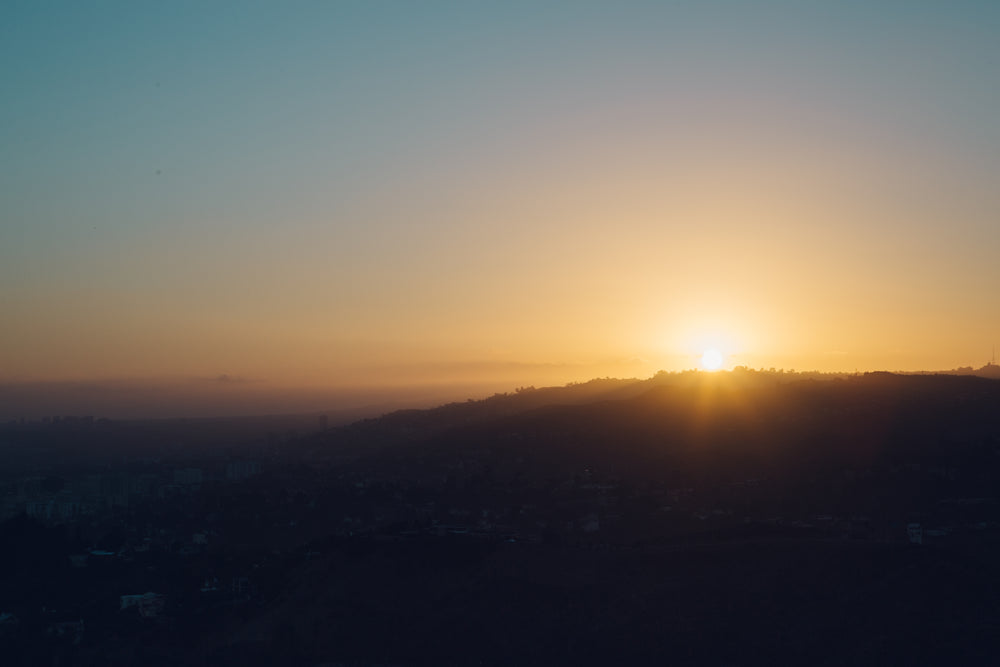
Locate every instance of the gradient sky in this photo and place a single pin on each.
(338, 193)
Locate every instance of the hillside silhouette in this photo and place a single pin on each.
(744, 517)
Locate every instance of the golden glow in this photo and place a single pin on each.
(404, 229)
(711, 360)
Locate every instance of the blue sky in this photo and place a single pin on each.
(309, 191)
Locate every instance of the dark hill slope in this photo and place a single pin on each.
(728, 425)
(734, 519)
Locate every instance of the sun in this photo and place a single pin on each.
(711, 360)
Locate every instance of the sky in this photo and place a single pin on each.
(347, 194)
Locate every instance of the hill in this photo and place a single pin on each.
(733, 518)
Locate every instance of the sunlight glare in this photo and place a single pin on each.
(711, 360)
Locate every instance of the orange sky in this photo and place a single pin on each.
(358, 195)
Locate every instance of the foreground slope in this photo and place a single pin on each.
(737, 518)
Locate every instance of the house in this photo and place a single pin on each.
(590, 523)
(237, 470)
(8, 624)
(148, 604)
(189, 476)
(72, 630)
